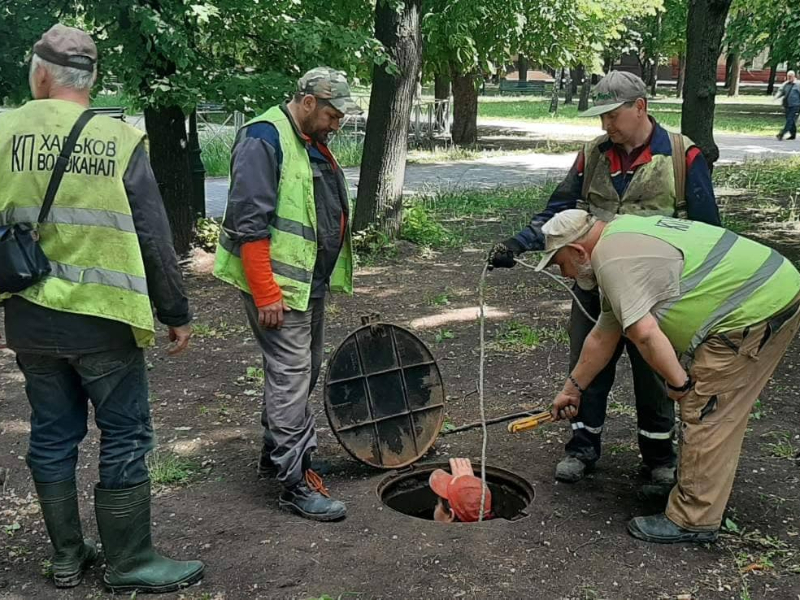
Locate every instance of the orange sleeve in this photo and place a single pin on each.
(258, 271)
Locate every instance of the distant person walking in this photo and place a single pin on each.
(790, 93)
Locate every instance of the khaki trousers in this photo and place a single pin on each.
(729, 371)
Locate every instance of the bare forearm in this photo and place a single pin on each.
(660, 355)
(598, 349)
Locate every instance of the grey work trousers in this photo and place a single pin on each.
(292, 361)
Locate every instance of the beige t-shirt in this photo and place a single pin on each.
(635, 273)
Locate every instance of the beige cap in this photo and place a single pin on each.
(565, 228)
(614, 90)
(331, 85)
(60, 45)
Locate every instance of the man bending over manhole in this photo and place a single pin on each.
(459, 494)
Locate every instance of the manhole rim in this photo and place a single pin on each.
(398, 475)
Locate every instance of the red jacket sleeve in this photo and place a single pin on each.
(258, 272)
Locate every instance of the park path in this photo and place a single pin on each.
(524, 169)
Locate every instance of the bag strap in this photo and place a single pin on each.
(679, 169)
(62, 162)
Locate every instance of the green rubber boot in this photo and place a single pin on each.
(73, 554)
(132, 564)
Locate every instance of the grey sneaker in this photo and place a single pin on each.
(571, 469)
(663, 476)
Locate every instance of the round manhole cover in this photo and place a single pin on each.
(384, 396)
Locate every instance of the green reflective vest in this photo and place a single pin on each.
(89, 236)
(651, 190)
(293, 231)
(728, 282)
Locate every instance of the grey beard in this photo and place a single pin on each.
(585, 277)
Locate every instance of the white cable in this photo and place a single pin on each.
(560, 281)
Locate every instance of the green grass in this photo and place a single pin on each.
(114, 100)
(515, 336)
(768, 178)
(169, 469)
(216, 154)
(668, 114)
(782, 447)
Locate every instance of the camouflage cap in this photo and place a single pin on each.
(614, 90)
(331, 85)
(61, 45)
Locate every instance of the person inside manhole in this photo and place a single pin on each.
(459, 494)
(712, 312)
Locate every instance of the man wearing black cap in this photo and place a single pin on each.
(637, 167)
(79, 333)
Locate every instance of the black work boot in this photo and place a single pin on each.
(310, 499)
(73, 554)
(132, 564)
(660, 530)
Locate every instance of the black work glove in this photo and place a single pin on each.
(502, 254)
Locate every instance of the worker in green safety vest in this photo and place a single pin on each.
(285, 241)
(712, 312)
(79, 333)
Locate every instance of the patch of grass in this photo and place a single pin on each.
(613, 449)
(751, 119)
(206, 330)
(114, 100)
(782, 447)
(519, 337)
(758, 411)
(618, 408)
(769, 180)
(255, 374)
(440, 299)
(421, 227)
(442, 335)
(371, 245)
(736, 224)
(216, 153)
(207, 233)
(169, 469)
(347, 149)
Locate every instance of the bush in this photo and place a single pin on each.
(207, 234)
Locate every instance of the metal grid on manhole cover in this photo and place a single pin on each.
(384, 396)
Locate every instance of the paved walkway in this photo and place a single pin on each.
(523, 169)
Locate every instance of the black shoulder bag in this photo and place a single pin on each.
(22, 260)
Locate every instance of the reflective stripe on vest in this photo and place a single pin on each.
(728, 282)
(293, 239)
(89, 236)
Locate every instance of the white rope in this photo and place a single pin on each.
(482, 318)
(560, 281)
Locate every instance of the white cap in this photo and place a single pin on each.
(565, 228)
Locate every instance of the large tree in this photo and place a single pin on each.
(170, 55)
(380, 187)
(705, 28)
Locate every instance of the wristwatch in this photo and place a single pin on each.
(684, 388)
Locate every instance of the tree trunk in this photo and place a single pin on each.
(607, 63)
(736, 73)
(556, 86)
(654, 76)
(705, 28)
(522, 67)
(586, 88)
(728, 69)
(773, 72)
(380, 187)
(169, 156)
(441, 87)
(567, 87)
(681, 75)
(465, 110)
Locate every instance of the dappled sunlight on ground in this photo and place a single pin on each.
(456, 315)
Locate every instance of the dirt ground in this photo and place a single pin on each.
(572, 546)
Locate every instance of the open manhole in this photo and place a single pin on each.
(408, 492)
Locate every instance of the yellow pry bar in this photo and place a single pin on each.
(531, 422)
